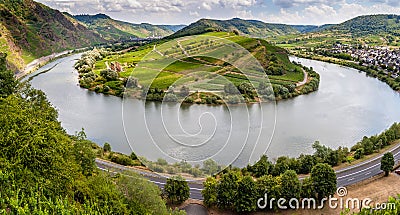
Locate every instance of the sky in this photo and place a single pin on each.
(315, 12)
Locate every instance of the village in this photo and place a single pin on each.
(379, 57)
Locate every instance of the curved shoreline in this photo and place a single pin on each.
(42, 61)
(349, 64)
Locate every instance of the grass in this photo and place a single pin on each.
(179, 66)
(202, 71)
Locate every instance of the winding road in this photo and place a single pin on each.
(345, 177)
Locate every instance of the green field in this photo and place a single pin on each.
(206, 63)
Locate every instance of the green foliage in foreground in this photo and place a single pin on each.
(176, 190)
(387, 163)
(43, 170)
(238, 190)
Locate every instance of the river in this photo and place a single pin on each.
(348, 106)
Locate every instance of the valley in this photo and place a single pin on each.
(119, 107)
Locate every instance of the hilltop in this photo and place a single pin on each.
(252, 28)
(115, 30)
(192, 70)
(29, 30)
(369, 25)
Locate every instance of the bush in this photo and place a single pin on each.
(109, 75)
(176, 190)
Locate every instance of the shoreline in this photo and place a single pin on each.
(42, 61)
(349, 64)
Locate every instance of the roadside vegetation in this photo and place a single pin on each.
(43, 170)
(229, 189)
(239, 189)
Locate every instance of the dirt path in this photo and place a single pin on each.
(299, 84)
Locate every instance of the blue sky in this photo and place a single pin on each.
(314, 12)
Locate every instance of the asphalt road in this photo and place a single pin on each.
(195, 186)
(345, 177)
(364, 170)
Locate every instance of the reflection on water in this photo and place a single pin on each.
(347, 106)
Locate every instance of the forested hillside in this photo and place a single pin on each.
(29, 30)
(370, 25)
(114, 30)
(252, 28)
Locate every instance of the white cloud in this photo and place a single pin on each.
(293, 3)
(325, 14)
(206, 6)
(186, 11)
(194, 13)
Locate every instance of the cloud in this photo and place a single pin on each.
(194, 13)
(292, 3)
(187, 11)
(325, 14)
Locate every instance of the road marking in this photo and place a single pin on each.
(367, 173)
(368, 161)
(358, 171)
(351, 179)
(155, 182)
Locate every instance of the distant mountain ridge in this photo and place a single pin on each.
(358, 26)
(114, 30)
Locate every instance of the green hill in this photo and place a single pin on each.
(115, 30)
(252, 28)
(29, 30)
(192, 69)
(370, 25)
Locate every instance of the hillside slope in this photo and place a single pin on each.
(252, 28)
(111, 29)
(370, 25)
(30, 30)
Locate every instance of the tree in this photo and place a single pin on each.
(307, 162)
(133, 156)
(321, 152)
(282, 164)
(271, 186)
(176, 190)
(333, 158)
(227, 189)
(170, 97)
(107, 147)
(387, 163)
(7, 79)
(307, 188)
(109, 75)
(245, 199)
(246, 88)
(294, 164)
(359, 153)
(290, 185)
(265, 89)
(262, 167)
(209, 192)
(184, 91)
(211, 167)
(85, 156)
(230, 89)
(324, 180)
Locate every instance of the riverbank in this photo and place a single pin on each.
(117, 80)
(380, 75)
(37, 63)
